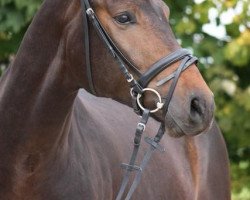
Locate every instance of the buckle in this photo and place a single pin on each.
(130, 79)
(141, 125)
(90, 12)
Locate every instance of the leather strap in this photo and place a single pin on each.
(87, 48)
(162, 64)
(117, 54)
(131, 166)
(171, 76)
(173, 85)
(113, 50)
(154, 144)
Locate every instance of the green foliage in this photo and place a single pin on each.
(224, 62)
(241, 184)
(238, 50)
(15, 15)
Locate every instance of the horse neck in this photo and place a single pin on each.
(38, 90)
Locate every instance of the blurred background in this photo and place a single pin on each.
(218, 32)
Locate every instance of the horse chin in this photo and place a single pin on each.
(175, 129)
(175, 132)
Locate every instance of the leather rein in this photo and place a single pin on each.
(138, 87)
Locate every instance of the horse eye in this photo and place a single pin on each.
(124, 18)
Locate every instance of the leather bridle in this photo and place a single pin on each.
(138, 87)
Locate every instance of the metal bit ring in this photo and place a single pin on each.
(159, 104)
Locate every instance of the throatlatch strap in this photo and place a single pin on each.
(131, 166)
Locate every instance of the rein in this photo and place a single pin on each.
(138, 87)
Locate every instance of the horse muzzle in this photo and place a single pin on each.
(190, 116)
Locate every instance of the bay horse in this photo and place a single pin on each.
(60, 142)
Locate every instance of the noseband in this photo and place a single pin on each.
(138, 87)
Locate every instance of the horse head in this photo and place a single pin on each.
(141, 32)
(70, 143)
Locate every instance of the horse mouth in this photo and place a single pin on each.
(176, 128)
(172, 127)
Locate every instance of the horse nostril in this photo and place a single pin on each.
(195, 106)
(196, 110)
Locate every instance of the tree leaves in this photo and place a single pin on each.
(238, 50)
(15, 15)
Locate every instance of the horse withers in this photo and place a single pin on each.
(56, 143)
